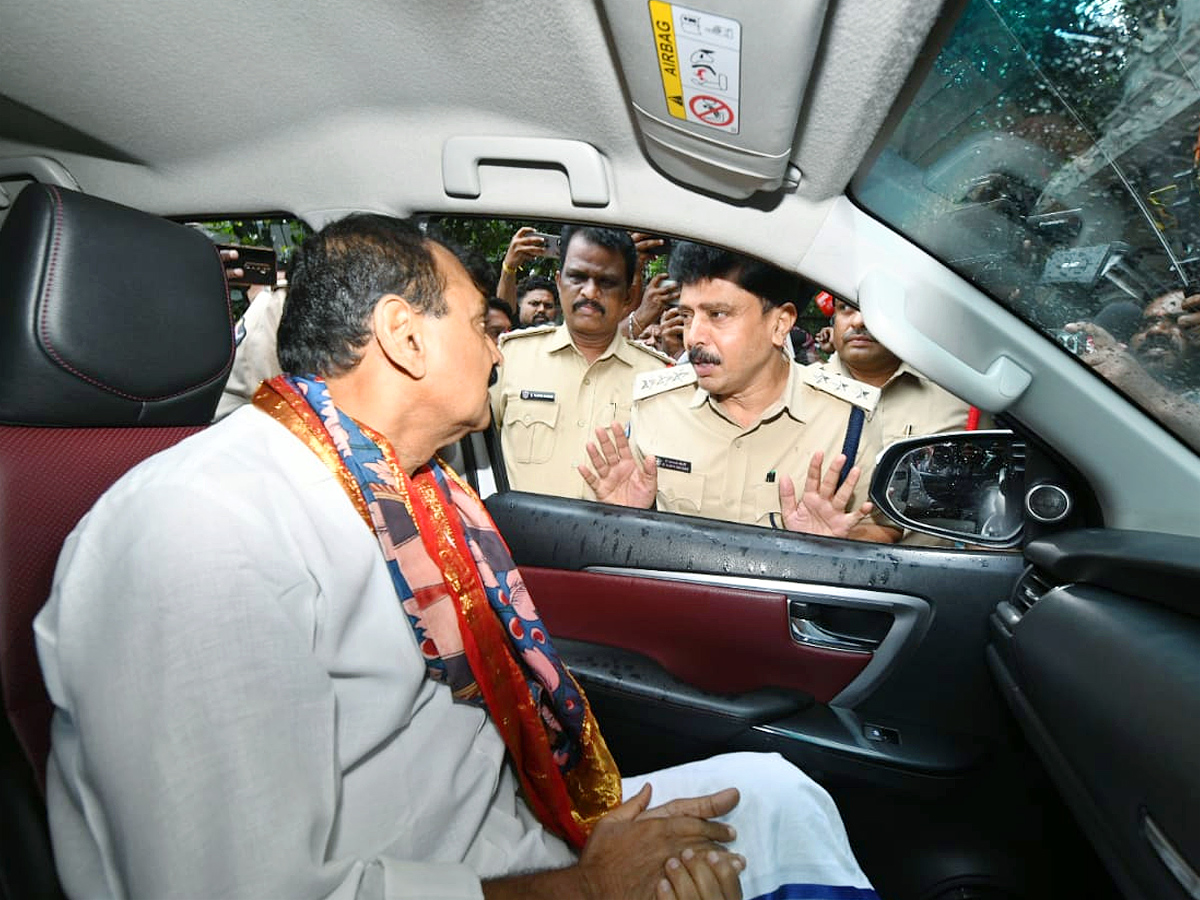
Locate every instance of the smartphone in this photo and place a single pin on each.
(668, 283)
(257, 265)
(550, 244)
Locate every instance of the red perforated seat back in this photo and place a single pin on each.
(49, 478)
(102, 363)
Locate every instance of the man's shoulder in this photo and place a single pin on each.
(524, 334)
(525, 351)
(827, 381)
(243, 471)
(672, 380)
(245, 443)
(648, 358)
(910, 382)
(931, 404)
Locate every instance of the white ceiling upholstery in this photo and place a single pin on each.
(254, 105)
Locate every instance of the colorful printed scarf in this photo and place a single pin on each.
(468, 606)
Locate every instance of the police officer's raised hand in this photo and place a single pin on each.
(615, 476)
(821, 509)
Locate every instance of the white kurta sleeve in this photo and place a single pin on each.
(195, 737)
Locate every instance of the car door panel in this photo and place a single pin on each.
(927, 747)
(599, 575)
(645, 692)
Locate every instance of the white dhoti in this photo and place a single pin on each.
(788, 827)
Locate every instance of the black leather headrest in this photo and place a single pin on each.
(108, 315)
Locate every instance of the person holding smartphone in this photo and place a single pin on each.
(657, 320)
(526, 244)
(255, 358)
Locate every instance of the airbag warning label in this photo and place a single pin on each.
(699, 59)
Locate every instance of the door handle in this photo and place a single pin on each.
(810, 623)
(885, 304)
(586, 175)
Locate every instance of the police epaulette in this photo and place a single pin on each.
(648, 384)
(862, 395)
(657, 354)
(526, 332)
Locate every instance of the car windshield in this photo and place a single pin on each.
(1050, 156)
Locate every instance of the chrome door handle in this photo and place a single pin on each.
(806, 631)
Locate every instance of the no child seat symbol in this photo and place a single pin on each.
(711, 110)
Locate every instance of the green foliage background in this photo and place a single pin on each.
(490, 237)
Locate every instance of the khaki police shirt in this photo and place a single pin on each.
(548, 402)
(909, 405)
(710, 466)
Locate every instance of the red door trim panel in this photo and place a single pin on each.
(718, 638)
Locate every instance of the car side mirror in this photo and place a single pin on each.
(964, 485)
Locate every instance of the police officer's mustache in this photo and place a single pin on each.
(858, 333)
(580, 304)
(700, 356)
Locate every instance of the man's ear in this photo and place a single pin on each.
(399, 332)
(785, 318)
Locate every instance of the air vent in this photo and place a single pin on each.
(1030, 588)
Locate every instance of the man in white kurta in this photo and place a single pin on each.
(241, 707)
(273, 662)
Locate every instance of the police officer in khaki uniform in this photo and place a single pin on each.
(557, 384)
(909, 403)
(711, 465)
(732, 435)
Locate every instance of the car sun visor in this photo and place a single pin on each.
(716, 88)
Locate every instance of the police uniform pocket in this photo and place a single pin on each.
(680, 492)
(764, 500)
(620, 413)
(529, 426)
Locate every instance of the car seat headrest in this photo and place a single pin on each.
(108, 315)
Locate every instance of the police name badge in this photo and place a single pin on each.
(675, 465)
